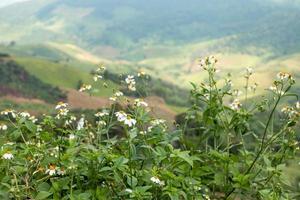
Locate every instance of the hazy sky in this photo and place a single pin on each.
(7, 2)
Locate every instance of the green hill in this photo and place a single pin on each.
(16, 81)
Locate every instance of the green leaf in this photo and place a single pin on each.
(43, 195)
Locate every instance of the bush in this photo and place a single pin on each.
(61, 157)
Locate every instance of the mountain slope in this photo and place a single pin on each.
(124, 24)
(14, 80)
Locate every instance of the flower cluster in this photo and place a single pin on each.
(236, 104)
(208, 63)
(130, 81)
(140, 103)
(99, 73)
(9, 112)
(8, 156)
(3, 127)
(126, 119)
(116, 95)
(157, 181)
(62, 110)
(85, 87)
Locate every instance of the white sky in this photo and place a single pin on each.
(7, 2)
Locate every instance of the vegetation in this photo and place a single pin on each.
(148, 86)
(124, 153)
(16, 81)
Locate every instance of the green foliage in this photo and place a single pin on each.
(149, 86)
(128, 154)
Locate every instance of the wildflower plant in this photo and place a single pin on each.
(215, 152)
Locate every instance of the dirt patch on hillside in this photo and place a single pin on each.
(20, 100)
(84, 101)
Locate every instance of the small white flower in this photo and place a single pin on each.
(132, 87)
(33, 119)
(3, 127)
(129, 122)
(80, 123)
(52, 170)
(140, 103)
(130, 83)
(85, 87)
(72, 136)
(119, 94)
(113, 98)
(121, 116)
(141, 74)
(7, 112)
(101, 69)
(62, 112)
(97, 77)
(61, 105)
(157, 181)
(8, 156)
(61, 172)
(101, 123)
(24, 114)
(235, 105)
(282, 76)
(102, 114)
(128, 190)
(298, 105)
(157, 122)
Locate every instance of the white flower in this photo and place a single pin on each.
(80, 123)
(62, 112)
(157, 181)
(130, 83)
(85, 87)
(8, 156)
(157, 122)
(52, 170)
(7, 112)
(249, 72)
(101, 69)
(97, 77)
(24, 114)
(33, 119)
(132, 87)
(119, 94)
(102, 114)
(61, 105)
(3, 127)
(141, 73)
(298, 105)
(128, 190)
(235, 105)
(140, 103)
(129, 122)
(70, 120)
(72, 136)
(129, 79)
(276, 90)
(61, 172)
(112, 98)
(101, 123)
(116, 96)
(121, 116)
(282, 76)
